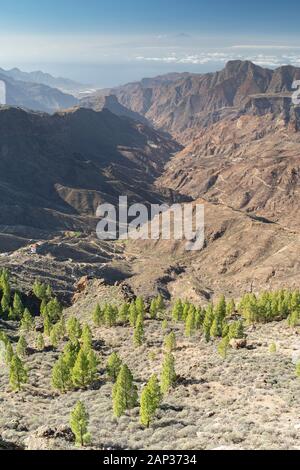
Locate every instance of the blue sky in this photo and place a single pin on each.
(155, 15)
(93, 40)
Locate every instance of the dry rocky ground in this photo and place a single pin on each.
(251, 400)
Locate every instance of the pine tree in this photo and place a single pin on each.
(17, 306)
(168, 377)
(220, 310)
(54, 310)
(74, 329)
(160, 303)
(225, 330)
(146, 407)
(55, 335)
(140, 306)
(223, 347)
(18, 374)
(21, 348)
(164, 325)
(124, 392)
(190, 322)
(236, 330)
(155, 392)
(170, 342)
(86, 338)
(114, 365)
(216, 328)
(27, 321)
(98, 316)
(150, 399)
(47, 326)
(294, 319)
(273, 348)
(39, 342)
(9, 353)
(71, 351)
(177, 311)
(185, 310)
(139, 334)
(230, 308)
(123, 313)
(133, 314)
(207, 323)
(39, 290)
(79, 421)
(61, 375)
(93, 365)
(199, 318)
(153, 309)
(81, 372)
(5, 302)
(110, 315)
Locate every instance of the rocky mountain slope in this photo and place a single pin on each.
(35, 96)
(111, 103)
(63, 84)
(185, 103)
(56, 170)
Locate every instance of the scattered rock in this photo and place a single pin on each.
(238, 343)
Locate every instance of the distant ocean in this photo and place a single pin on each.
(110, 75)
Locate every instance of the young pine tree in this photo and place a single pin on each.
(150, 400)
(123, 313)
(153, 309)
(155, 391)
(27, 322)
(113, 367)
(168, 376)
(79, 421)
(18, 374)
(55, 335)
(71, 351)
(74, 330)
(86, 338)
(109, 316)
(61, 375)
(140, 306)
(190, 322)
(223, 347)
(170, 342)
(216, 328)
(98, 316)
(272, 348)
(81, 370)
(47, 326)
(39, 342)
(146, 407)
(124, 392)
(207, 323)
(9, 353)
(17, 306)
(133, 314)
(177, 311)
(21, 348)
(160, 304)
(139, 333)
(93, 365)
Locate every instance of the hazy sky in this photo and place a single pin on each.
(110, 42)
